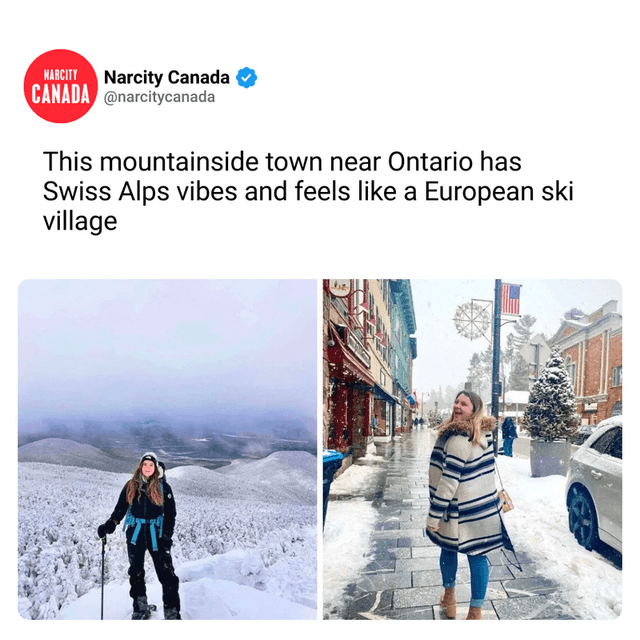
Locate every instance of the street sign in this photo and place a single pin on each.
(340, 288)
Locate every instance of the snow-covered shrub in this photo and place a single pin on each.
(434, 418)
(551, 411)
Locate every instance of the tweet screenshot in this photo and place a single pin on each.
(209, 427)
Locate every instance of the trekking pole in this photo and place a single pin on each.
(104, 544)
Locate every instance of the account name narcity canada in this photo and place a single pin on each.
(173, 77)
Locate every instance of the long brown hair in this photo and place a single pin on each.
(475, 419)
(135, 484)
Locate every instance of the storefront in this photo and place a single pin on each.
(349, 394)
(384, 413)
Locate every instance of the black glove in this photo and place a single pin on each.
(165, 544)
(108, 527)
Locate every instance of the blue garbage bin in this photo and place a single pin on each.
(331, 462)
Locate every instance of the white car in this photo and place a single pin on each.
(594, 487)
(584, 432)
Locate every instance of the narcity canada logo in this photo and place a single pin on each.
(60, 86)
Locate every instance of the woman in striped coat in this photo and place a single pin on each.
(464, 512)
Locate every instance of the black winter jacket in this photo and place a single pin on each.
(144, 508)
(509, 429)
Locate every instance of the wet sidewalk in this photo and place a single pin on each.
(402, 580)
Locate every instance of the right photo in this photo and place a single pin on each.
(472, 449)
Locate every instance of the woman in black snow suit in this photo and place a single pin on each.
(150, 509)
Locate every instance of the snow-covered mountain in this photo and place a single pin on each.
(284, 476)
(72, 454)
(251, 527)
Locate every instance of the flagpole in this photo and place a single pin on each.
(495, 386)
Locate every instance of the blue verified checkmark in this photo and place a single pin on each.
(246, 77)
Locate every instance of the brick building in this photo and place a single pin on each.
(591, 346)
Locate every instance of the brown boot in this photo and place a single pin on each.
(475, 613)
(448, 602)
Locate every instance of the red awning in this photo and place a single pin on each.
(346, 365)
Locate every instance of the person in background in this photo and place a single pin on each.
(509, 434)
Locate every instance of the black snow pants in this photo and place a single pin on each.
(162, 563)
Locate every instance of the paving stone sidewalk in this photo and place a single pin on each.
(403, 580)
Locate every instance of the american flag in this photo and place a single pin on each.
(510, 299)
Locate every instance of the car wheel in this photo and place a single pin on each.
(583, 522)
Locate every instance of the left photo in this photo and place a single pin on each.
(167, 449)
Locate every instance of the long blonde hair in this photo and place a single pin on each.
(475, 419)
(135, 484)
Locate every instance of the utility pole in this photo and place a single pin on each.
(495, 384)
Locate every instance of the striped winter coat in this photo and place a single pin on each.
(464, 502)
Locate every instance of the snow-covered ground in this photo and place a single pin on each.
(538, 524)
(345, 541)
(245, 558)
(589, 584)
(232, 586)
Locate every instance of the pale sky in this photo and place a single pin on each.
(114, 349)
(180, 349)
(443, 355)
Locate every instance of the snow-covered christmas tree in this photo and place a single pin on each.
(434, 419)
(551, 412)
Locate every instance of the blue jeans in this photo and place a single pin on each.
(479, 566)
(507, 447)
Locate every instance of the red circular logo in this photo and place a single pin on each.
(60, 86)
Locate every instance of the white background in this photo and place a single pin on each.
(554, 83)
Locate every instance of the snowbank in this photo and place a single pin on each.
(589, 583)
(347, 529)
(203, 597)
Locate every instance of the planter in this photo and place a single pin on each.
(549, 458)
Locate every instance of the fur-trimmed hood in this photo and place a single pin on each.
(465, 428)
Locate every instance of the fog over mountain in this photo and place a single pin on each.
(175, 444)
(126, 363)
